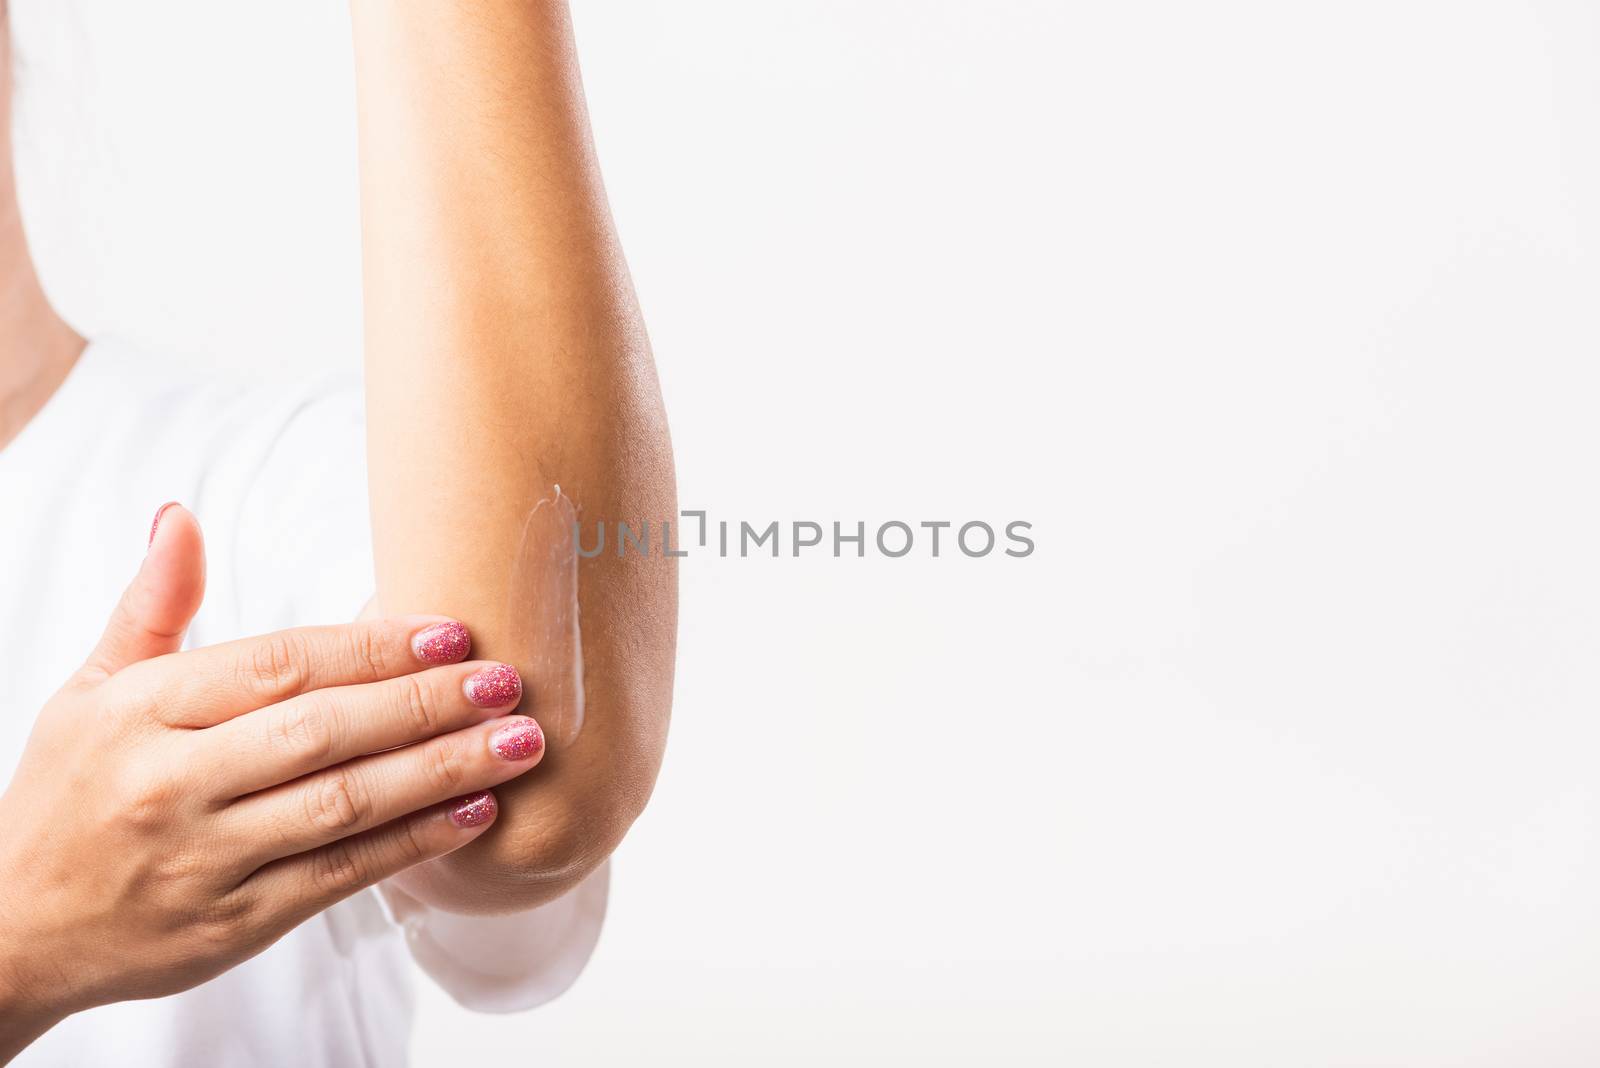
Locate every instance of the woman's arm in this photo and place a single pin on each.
(505, 357)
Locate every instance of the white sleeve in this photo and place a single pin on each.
(300, 552)
(485, 962)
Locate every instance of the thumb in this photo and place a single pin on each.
(157, 606)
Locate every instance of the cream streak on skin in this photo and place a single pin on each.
(543, 593)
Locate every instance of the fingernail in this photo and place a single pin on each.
(442, 643)
(155, 523)
(494, 687)
(518, 740)
(474, 810)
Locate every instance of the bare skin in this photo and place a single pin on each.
(249, 786)
(505, 356)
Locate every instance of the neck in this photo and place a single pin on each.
(37, 348)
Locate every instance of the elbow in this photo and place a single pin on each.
(583, 799)
(549, 848)
(567, 816)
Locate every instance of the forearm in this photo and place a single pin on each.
(505, 356)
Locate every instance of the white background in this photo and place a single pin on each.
(1276, 319)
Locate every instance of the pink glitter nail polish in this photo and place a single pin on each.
(155, 523)
(442, 643)
(494, 687)
(474, 810)
(518, 740)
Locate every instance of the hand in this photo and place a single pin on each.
(175, 813)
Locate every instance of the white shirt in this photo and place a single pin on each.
(278, 482)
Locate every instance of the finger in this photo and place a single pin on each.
(155, 609)
(298, 887)
(339, 723)
(222, 681)
(351, 798)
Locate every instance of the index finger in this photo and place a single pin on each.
(204, 687)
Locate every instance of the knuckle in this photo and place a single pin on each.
(417, 706)
(339, 869)
(214, 936)
(145, 802)
(135, 696)
(233, 908)
(334, 804)
(179, 870)
(408, 844)
(445, 767)
(305, 728)
(209, 937)
(277, 663)
(226, 919)
(366, 651)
